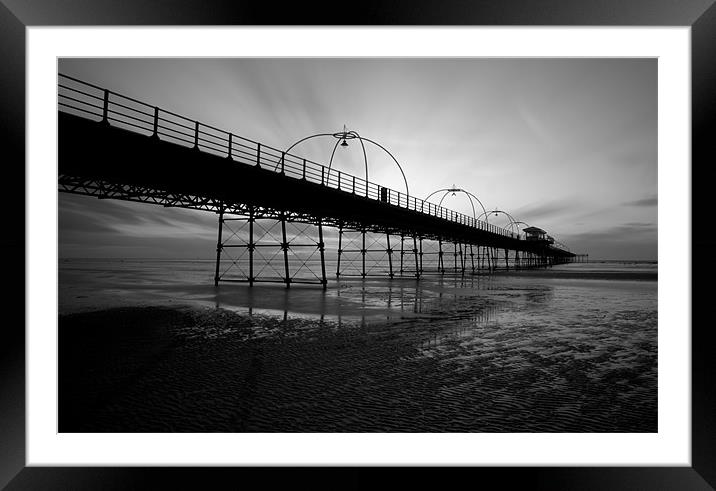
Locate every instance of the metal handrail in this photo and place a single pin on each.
(188, 132)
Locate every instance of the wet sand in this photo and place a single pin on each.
(500, 355)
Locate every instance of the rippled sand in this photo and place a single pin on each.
(501, 355)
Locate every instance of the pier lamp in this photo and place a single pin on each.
(343, 135)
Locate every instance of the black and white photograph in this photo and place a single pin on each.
(298, 245)
(258, 238)
(290, 243)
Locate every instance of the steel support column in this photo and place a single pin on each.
(322, 248)
(284, 246)
(363, 252)
(415, 253)
(340, 250)
(420, 269)
(402, 252)
(441, 264)
(252, 246)
(390, 255)
(463, 253)
(219, 245)
(472, 259)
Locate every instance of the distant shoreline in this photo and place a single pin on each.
(582, 275)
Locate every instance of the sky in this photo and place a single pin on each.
(567, 145)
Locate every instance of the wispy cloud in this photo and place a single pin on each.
(628, 232)
(545, 210)
(648, 201)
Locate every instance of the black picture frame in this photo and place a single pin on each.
(16, 15)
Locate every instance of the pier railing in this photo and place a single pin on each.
(97, 103)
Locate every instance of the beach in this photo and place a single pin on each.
(153, 346)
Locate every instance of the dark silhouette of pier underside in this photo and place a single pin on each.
(115, 147)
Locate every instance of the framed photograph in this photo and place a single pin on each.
(425, 239)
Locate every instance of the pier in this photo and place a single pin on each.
(116, 147)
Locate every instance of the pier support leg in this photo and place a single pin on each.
(219, 245)
(420, 269)
(322, 249)
(472, 259)
(415, 253)
(284, 246)
(507, 260)
(252, 246)
(462, 260)
(402, 253)
(340, 250)
(363, 251)
(441, 264)
(390, 255)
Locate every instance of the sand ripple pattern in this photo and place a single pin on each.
(527, 359)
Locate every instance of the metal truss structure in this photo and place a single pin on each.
(260, 244)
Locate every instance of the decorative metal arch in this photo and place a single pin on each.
(511, 219)
(454, 190)
(496, 211)
(341, 138)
